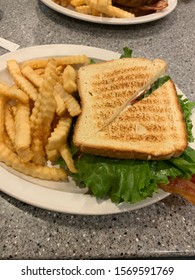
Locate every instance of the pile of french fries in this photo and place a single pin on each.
(36, 114)
(96, 8)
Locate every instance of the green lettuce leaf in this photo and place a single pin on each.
(187, 107)
(156, 85)
(127, 53)
(118, 179)
(130, 180)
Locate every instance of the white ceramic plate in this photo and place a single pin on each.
(59, 196)
(113, 21)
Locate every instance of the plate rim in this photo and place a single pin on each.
(27, 193)
(112, 21)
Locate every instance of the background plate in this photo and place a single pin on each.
(113, 21)
(59, 196)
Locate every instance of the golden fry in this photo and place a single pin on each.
(52, 155)
(8, 142)
(75, 59)
(22, 132)
(60, 69)
(69, 86)
(60, 133)
(69, 79)
(35, 63)
(67, 156)
(28, 168)
(13, 92)
(9, 123)
(113, 11)
(39, 71)
(76, 3)
(21, 81)
(72, 104)
(2, 114)
(48, 103)
(60, 105)
(29, 73)
(35, 114)
(39, 156)
(84, 9)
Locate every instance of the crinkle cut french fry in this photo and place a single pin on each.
(37, 145)
(28, 168)
(35, 113)
(9, 123)
(35, 63)
(44, 110)
(72, 104)
(39, 71)
(8, 142)
(18, 94)
(29, 73)
(84, 9)
(13, 92)
(76, 59)
(101, 5)
(76, 3)
(21, 81)
(60, 69)
(106, 8)
(13, 66)
(13, 108)
(23, 132)
(39, 156)
(2, 112)
(69, 79)
(60, 105)
(48, 103)
(113, 11)
(22, 127)
(69, 86)
(67, 156)
(52, 155)
(42, 63)
(60, 133)
(70, 72)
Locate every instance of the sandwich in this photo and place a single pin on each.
(151, 128)
(141, 7)
(132, 135)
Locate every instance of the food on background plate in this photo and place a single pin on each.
(44, 95)
(141, 7)
(115, 8)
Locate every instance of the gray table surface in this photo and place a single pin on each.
(164, 229)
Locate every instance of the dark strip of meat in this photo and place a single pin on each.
(160, 5)
(183, 187)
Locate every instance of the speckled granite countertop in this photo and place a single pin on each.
(164, 229)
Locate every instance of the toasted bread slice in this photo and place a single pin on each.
(106, 88)
(152, 128)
